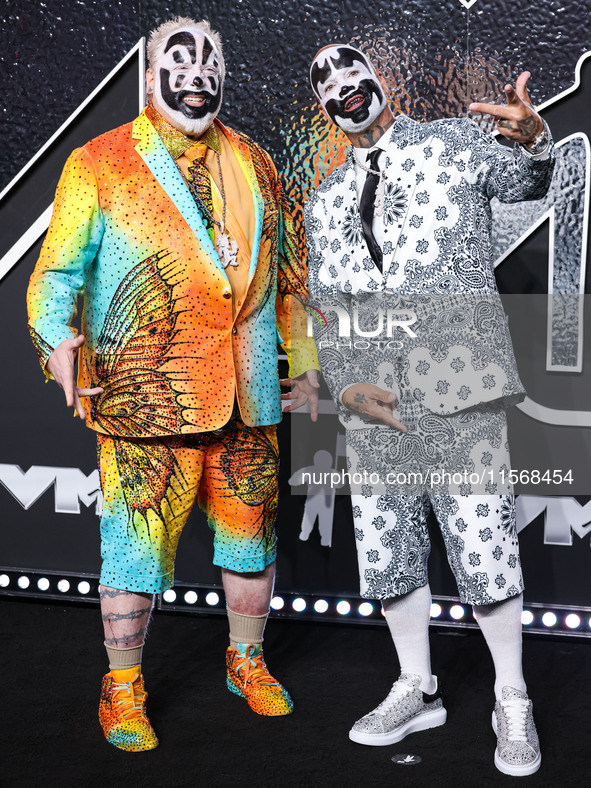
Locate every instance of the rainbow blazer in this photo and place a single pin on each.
(161, 339)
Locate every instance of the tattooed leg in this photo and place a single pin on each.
(125, 616)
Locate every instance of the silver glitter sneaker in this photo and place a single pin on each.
(406, 709)
(518, 748)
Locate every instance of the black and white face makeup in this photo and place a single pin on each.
(348, 88)
(188, 81)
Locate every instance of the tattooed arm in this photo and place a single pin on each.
(516, 120)
(512, 175)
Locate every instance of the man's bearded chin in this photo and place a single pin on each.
(192, 127)
(361, 119)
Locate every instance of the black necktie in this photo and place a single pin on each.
(367, 205)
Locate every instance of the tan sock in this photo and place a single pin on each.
(245, 629)
(124, 658)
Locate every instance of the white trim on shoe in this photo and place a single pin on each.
(420, 722)
(514, 771)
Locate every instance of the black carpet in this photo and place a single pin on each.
(54, 660)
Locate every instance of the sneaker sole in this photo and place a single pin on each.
(422, 722)
(514, 771)
(120, 745)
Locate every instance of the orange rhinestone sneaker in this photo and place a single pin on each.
(122, 711)
(248, 676)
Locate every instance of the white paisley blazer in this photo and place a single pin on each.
(438, 264)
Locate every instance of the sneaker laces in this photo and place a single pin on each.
(515, 711)
(131, 705)
(252, 669)
(399, 690)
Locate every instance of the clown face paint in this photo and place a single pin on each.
(188, 80)
(348, 87)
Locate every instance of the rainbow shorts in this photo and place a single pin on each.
(149, 488)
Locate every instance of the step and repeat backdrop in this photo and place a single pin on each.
(74, 69)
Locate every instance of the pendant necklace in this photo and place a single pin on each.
(226, 248)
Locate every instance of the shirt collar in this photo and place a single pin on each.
(175, 142)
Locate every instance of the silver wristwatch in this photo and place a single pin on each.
(541, 143)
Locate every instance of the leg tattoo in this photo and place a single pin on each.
(125, 616)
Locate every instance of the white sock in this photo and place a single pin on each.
(408, 619)
(501, 626)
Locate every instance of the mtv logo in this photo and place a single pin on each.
(71, 486)
(564, 212)
(562, 517)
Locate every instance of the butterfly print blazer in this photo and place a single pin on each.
(127, 237)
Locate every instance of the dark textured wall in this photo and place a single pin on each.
(52, 55)
(436, 55)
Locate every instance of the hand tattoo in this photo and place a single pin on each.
(530, 127)
(359, 404)
(527, 129)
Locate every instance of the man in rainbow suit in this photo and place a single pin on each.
(173, 228)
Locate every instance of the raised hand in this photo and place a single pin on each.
(62, 365)
(517, 120)
(373, 404)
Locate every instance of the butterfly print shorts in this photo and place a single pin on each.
(477, 521)
(149, 488)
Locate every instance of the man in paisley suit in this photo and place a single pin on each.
(416, 352)
(174, 230)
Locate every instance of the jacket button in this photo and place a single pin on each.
(234, 330)
(227, 294)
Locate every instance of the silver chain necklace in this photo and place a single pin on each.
(225, 247)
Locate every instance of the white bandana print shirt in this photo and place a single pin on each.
(438, 258)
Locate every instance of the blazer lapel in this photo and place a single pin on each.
(154, 154)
